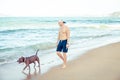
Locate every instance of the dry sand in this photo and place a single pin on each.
(99, 64)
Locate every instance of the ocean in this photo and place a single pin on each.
(22, 36)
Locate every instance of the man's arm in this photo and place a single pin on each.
(68, 35)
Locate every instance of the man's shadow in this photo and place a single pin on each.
(34, 75)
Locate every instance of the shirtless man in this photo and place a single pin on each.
(63, 42)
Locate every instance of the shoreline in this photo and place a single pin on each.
(97, 64)
(16, 68)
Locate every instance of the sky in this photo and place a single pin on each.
(58, 8)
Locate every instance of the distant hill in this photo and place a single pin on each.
(115, 14)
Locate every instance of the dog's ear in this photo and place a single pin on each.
(23, 59)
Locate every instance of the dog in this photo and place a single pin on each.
(29, 60)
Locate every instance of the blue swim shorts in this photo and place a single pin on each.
(61, 47)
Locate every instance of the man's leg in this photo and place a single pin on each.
(64, 60)
(60, 55)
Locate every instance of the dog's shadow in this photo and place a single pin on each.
(34, 75)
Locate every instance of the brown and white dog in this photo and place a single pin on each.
(29, 60)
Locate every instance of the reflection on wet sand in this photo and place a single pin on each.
(30, 76)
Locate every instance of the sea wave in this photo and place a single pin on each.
(20, 36)
(41, 46)
(94, 36)
(13, 53)
(16, 30)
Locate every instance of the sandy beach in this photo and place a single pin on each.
(97, 64)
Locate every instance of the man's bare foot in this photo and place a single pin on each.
(64, 66)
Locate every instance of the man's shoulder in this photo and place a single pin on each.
(66, 26)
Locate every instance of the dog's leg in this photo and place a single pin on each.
(34, 64)
(38, 61)
(39, 64)
(29, 68)
(25, 67)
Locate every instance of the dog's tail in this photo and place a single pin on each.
(37, 51)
